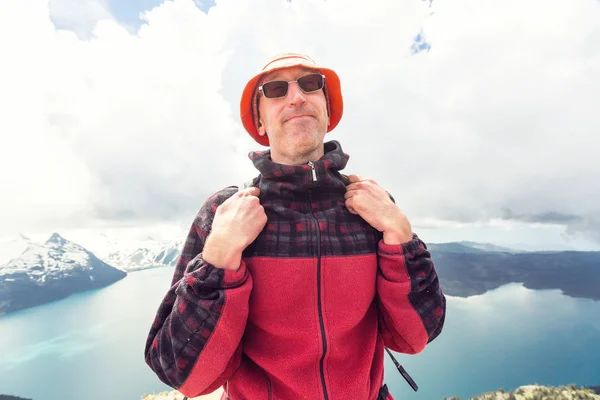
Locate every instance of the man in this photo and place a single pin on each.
(291, 289)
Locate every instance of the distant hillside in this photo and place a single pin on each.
(12, 246)
(535, 392)
(470, 247)
(7, 397)
(465, 270)
(51, 271)
(158, 254)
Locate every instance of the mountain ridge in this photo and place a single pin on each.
(465, 268)
(51, 271)
(474, 272)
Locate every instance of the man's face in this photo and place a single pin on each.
(296, 123)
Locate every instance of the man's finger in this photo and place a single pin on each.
(251, 191)
(351, 187)
(348, 203)
(354, 178)
(350, 193)
(360, 185)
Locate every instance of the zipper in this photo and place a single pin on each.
(314, 173)
(320, 306)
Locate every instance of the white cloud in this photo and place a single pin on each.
(79, 16)
(496, 120)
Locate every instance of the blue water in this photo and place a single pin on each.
(506, 338)
(90, 345)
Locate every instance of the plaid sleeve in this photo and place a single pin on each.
(202, 303)
(412, 307)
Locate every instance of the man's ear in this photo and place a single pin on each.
(261, 129)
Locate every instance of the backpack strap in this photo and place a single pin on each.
(403, 372)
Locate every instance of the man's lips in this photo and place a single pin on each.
(298, 116)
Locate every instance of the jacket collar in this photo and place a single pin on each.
(299, 178)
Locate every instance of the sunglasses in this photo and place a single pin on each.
(308, 84)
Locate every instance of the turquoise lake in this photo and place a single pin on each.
(90, 346)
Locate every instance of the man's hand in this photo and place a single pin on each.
(366, 198)
(237, 223)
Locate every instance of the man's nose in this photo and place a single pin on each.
(295, 94)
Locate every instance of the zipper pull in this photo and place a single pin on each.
(314, 173)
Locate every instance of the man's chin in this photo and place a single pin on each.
(303, 128)
(306, 145)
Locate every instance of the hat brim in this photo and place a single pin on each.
(332, 86)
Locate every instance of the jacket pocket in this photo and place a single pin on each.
(249, 382)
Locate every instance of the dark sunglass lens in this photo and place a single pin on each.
(310, 83)
(275, 89)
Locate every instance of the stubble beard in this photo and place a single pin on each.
(307, 144)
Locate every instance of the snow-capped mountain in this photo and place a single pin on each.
(13, 246)
(151, 255)
(132, 250)
(51, 271)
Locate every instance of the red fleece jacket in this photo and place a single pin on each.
(316, 298)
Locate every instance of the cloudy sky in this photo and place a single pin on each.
(480, 117)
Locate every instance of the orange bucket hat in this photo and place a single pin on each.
(249, 101)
